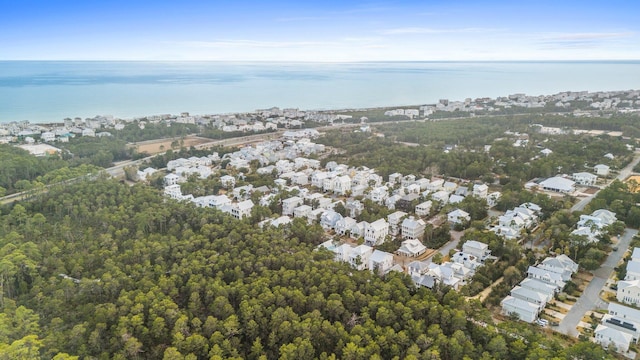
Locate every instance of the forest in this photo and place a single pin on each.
(104, 270)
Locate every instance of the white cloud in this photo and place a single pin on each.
(253, 44)
(426, 30)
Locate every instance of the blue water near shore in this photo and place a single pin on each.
(49, 91)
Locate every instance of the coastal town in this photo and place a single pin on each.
(380, 223)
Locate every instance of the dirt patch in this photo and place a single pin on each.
(589, 190)
(157, 146)
(634, 188)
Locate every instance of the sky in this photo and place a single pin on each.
(327, 31)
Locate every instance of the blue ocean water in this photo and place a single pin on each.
(49, 91)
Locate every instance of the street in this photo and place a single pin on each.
(590, 298)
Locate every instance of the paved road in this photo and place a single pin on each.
(624, 173)
(590, 298)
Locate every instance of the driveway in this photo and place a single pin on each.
(590, 298)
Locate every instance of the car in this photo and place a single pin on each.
(615, 248)
(542, 322)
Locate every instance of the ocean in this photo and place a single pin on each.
(49, 91)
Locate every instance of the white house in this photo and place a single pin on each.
(171, 179)
(411, 248)
(359, 257)
(218, 201)
(417, 268)
(539, 286)
(329, 219)
(395, 178)
(391, 201)
(395, 222)
(242, 209)
(302, 211)
(289, 204)
(441, 196)
(227, 181)
(558, 184)
(376, 232)
(379, 194)
(633, 270)
(458, 216)
(47, 136)
(608, 336)
(561, 265)
(424, 209)
(546, 276)
(380, 262)
(477, 249)
(480, 190)
(584, 178)
(525, 310)
(357, 230)
(531, 296)
(412, 228)
(629, 292)
(344, 225)
(341, 185)
(601, 170)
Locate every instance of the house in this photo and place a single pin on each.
(412, 228)
(344, 225)
(144, 175)
(329, 218)
(546, 276)
(624, 319)
(406, 202)
(379, 194)
(441, 196)
(395, 178)
(357, 230)
(359, 257)
(227, 181)
(539, 286)
(171, 179)
(601, 170)
(584, 178)
(417, 268)
(546, 152)
(395, 222)
(291, 203)
(633, 270)
(449, 187)
(477, 249)
(525, 310)
(242, 209)
(424, 209)
(277, 222)
(467, 260)
(607, 336)
(558, 184)
(173, 191)
(376, 232)
(531, 296)
(493, 198)
(560, 264)
(314, 215)
(458, 216)
(243, 192)
(341, 185)
(380, 262)
(302, 211)
(411, 248)
(435, 185)
(47, 136)
(354, 207)
(455, 199)
(391, 201)
(480, 190)
(629, 292)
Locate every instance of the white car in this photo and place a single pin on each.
(542, 322)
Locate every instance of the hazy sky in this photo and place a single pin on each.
(319, 31)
